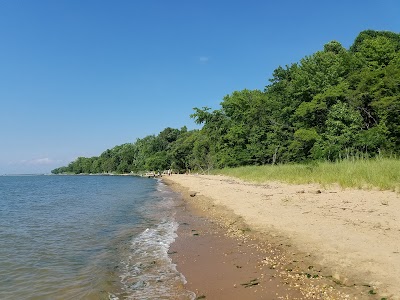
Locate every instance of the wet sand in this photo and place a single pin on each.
(217, 266)
(225, 252)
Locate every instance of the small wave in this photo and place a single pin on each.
(148, 271)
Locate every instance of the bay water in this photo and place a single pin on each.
(87, 237)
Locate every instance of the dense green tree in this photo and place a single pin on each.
(332, 104)
(343, 126)
(204, 156)
(181, 153)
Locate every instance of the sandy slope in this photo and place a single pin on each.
(353, 234)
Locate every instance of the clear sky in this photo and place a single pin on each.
(79, 77)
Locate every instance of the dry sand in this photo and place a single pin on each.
(316, 238)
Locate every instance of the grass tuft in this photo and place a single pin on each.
(383, 174)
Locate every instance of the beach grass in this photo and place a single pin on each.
(381, 173)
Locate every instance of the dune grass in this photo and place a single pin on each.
(383, 174)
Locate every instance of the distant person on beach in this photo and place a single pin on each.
(169, 172)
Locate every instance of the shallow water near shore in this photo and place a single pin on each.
(87, 237)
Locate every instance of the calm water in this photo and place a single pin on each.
(87, 237)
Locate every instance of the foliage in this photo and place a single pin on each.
(332, 104)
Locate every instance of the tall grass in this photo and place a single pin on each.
(382, 173)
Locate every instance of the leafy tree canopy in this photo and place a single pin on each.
(331, 104)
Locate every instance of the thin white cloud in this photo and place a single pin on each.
(38, 161)
(204, 59)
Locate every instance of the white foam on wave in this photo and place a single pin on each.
(148, 271)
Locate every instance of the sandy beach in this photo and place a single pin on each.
(296, 241)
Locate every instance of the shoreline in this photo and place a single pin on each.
(223, 265)
(270, 218)
(220, 267)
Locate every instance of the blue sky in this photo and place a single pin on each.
(79, 77)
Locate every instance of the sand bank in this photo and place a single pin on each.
(316, 238)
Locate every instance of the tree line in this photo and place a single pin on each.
(333, 104)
